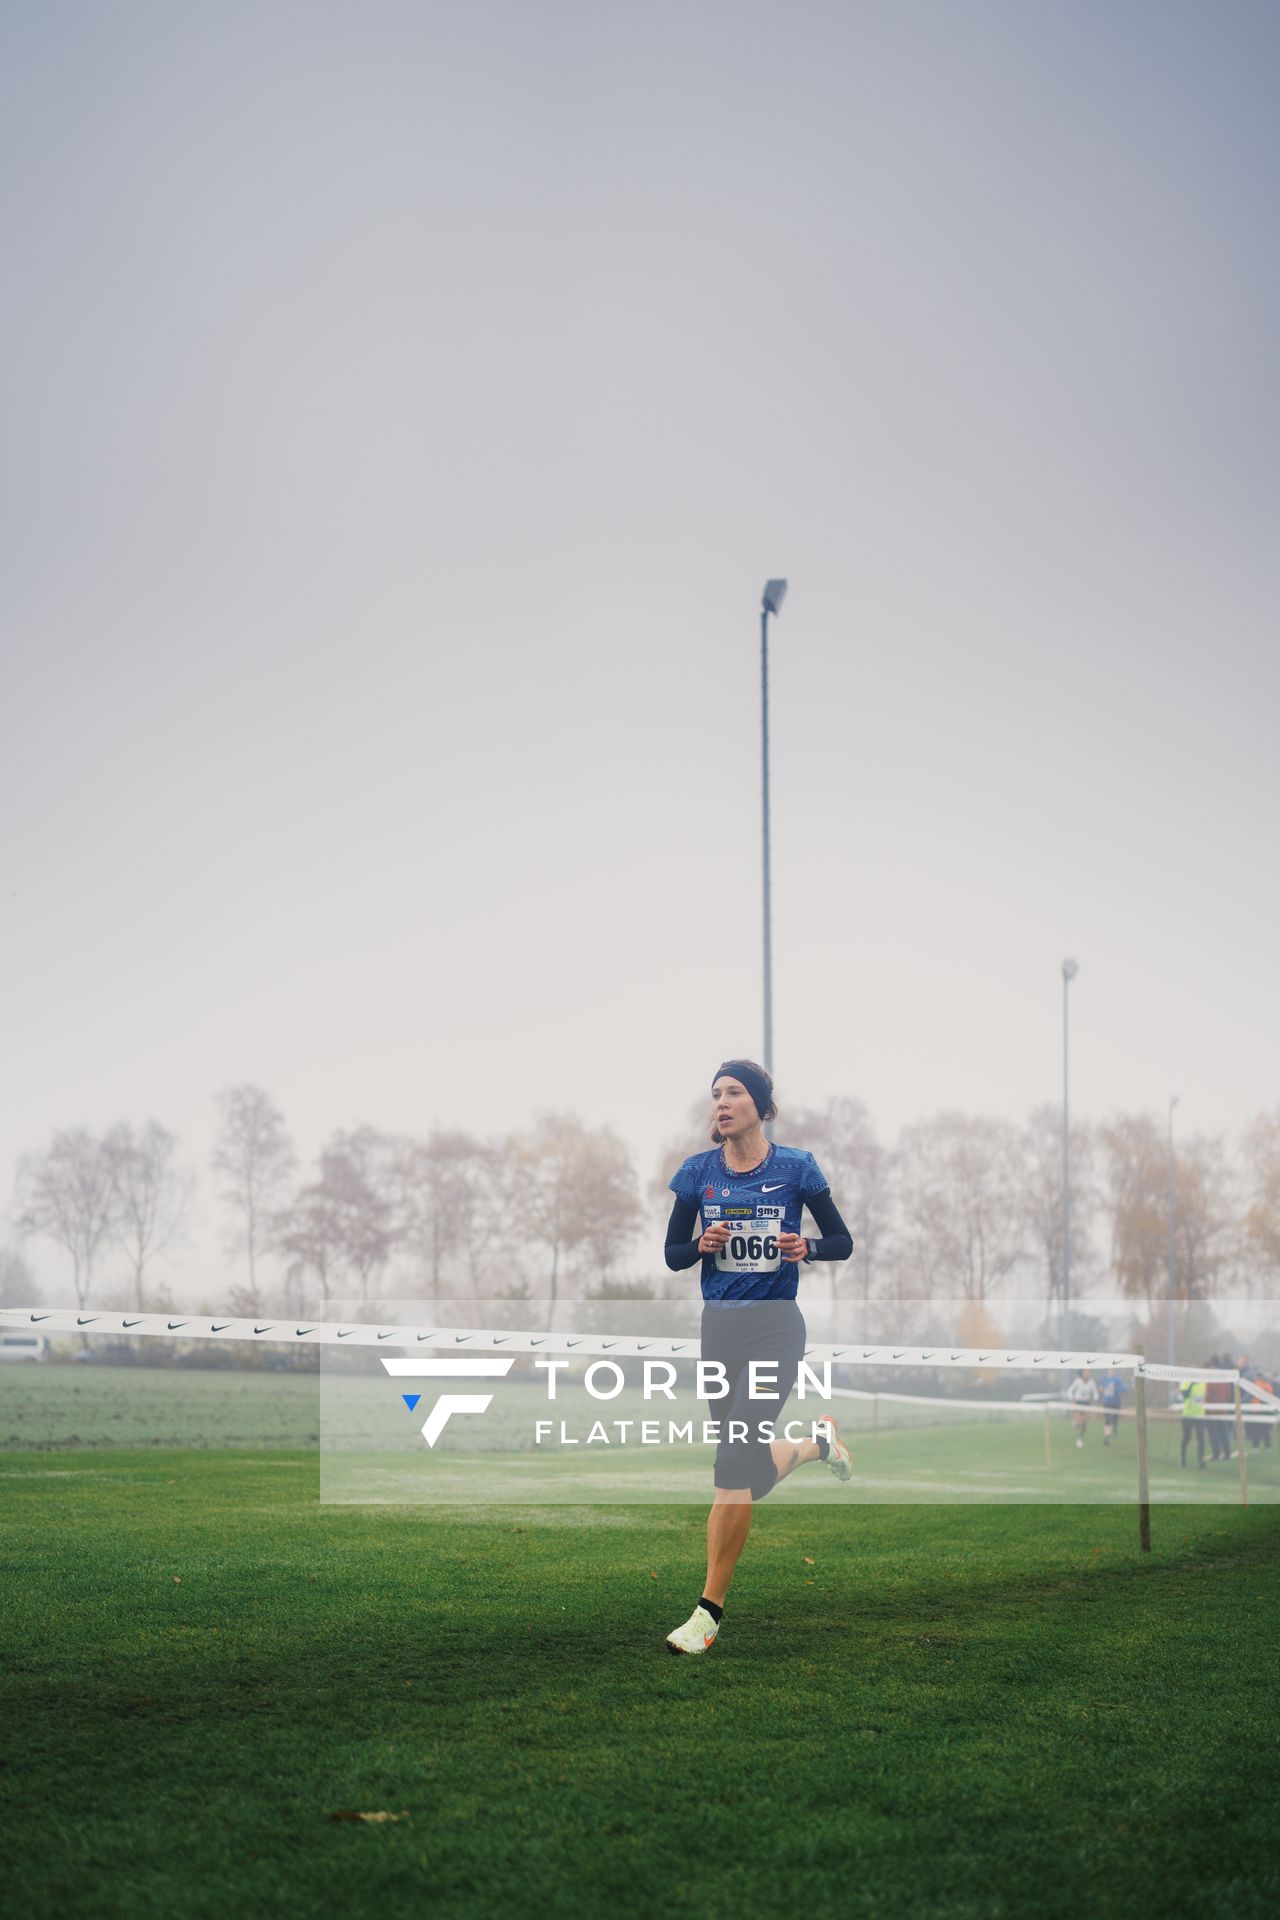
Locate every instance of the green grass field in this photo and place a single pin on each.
(912, 1710)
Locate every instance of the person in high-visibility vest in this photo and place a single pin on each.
(1192, 1392)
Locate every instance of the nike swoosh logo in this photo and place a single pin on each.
(85, 1322)
(301, 1330)
(265, 1329)
(343, 1336)
(175, 1324)
(386, 1336)
(133, 1323)
(707, 1638)
(213, 1329)
(40, 1316)
(776, 1188)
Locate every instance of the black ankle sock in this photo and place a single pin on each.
(824, 1446)
(711, 1607)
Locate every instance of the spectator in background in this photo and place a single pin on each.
(1083, 1394)
(1112, 1397)
(1219, 1397)
(1193, 1420)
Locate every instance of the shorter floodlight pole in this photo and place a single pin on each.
(1069, 972)
(771, 602)
(1144, 1488)
(1173, 1101)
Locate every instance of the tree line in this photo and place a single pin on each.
(959, 1207)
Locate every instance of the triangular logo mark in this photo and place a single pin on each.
(411, 1400)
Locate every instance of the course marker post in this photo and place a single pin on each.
(1244, 1471)
(1144, 1489)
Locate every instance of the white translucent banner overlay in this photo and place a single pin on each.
(653, 1402)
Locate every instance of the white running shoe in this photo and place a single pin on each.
(696, 1635)
(839, 1458)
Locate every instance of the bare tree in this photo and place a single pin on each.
(843, 1140)
(358, 1172)
(612, 1203)
(447, 1185)
(1137, 1204)
(17, 1282)
(67, 1195)
(310, 1237)
(962, 1222)
(576, 1189)
(1138, 1200)
(1261, 1235)
(341, 1223)
(1042, 1200)
(152, 1197)
(255, 1157)
(1205, 1217)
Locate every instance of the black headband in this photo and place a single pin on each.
(755, 1083)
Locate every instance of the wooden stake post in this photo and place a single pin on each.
(1244, 1471)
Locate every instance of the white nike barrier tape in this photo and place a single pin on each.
(318, 1333)
(280, 1331)
(1038, 1402)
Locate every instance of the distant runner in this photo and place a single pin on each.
(1083, 1392)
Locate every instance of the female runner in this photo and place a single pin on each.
(750, 1195)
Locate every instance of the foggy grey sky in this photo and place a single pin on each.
(403, 406)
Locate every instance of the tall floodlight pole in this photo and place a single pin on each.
(1173, 1101)
(775, 592)
(1069, 972)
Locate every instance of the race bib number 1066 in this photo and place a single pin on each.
(752, 1246)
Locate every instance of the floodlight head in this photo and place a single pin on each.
(775, 592)
(1069, 969)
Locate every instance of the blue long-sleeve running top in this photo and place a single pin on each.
(757, 1207)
